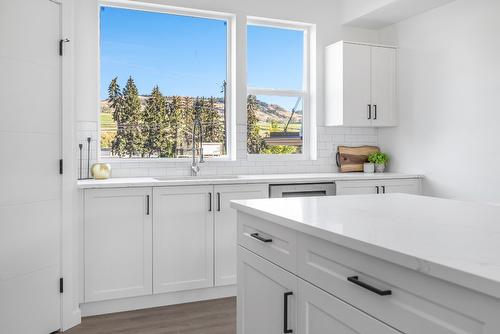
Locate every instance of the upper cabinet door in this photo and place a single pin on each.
(117, 243)
(357, 85)
(360, 85)
(182, 238)
(383, 100)
(226, 227)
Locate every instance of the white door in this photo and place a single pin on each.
(118, 243)
(407, 186)
(266, 296)
(320, 313)
(30, 184)
(357, 187)
(357, 85)
(383, 73)
(225, 227)
(182, 238)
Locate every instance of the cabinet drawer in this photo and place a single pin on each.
(273, 242)
(418, 304)
(360, 187)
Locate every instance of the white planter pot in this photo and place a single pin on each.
(379, 168)
(368, 167)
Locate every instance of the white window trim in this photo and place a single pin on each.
(307, 92)
(230, 75)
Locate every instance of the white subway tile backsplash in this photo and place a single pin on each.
(328, 140)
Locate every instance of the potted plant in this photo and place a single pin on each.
(380, 160)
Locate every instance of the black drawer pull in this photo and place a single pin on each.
(258, 237)
(355, 280)
(285, 313)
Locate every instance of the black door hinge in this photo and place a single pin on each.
(61, 43)
(61, 285)
(60, 166)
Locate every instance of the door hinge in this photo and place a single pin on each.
(61, 44)
(61, 169)
(61, 285)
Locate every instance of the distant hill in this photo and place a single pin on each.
(266, 113)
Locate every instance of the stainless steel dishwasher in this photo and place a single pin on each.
(301, 190)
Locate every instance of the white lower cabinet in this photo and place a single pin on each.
(225, 227)
(357, 187)
(272, 300)
(117, 243)
(320, 313)
(266, 296)
(182, 238)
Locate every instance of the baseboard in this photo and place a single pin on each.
(164, 299)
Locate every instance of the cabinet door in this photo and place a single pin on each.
(356, 187)
(356, 88)
(320, 313)
(407, 186)
(383, 87)
(182, 238)
(226, 226)
(265, 292)
(117, 243)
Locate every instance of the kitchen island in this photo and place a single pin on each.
(368, 264)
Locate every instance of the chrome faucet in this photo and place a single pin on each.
(195, 168)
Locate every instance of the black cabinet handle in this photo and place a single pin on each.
(147, 205)
(285, 312)
(209, 202)
(375, 111)
(383, 189)
(355, 280)
(218, 201)
(378, 189)
(369, 111)
(258, 237)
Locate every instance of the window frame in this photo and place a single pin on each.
(308, 112)
(230, 126)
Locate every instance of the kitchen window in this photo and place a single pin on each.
(160, 70)
(278, 90)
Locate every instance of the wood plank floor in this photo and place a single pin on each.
(206, 317)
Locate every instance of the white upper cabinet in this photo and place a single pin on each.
(182, 238)
(360, 85)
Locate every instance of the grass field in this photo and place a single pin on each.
(107, 122)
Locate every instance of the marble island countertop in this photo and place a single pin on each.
(237, 179)
(456, 241)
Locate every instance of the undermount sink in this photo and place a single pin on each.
(201, 177)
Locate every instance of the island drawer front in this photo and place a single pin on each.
(418, 303)
(273, 242)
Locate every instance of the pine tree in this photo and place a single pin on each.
(115, 100)
(213, 124)
(154, 122)
(174, 127)
(187, 121)
(255, 143)
(132, 119)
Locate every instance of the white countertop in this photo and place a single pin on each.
(237, 179)
(456, 241)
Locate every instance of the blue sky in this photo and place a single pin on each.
(187, 56)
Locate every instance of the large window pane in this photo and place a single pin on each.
(275, 57)
(275, 124)
(158, 72)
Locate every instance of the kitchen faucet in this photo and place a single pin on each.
(195, 168)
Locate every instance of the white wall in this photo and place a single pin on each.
(449, 89)
(324, 13)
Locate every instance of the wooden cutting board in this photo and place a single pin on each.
(351, 159)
